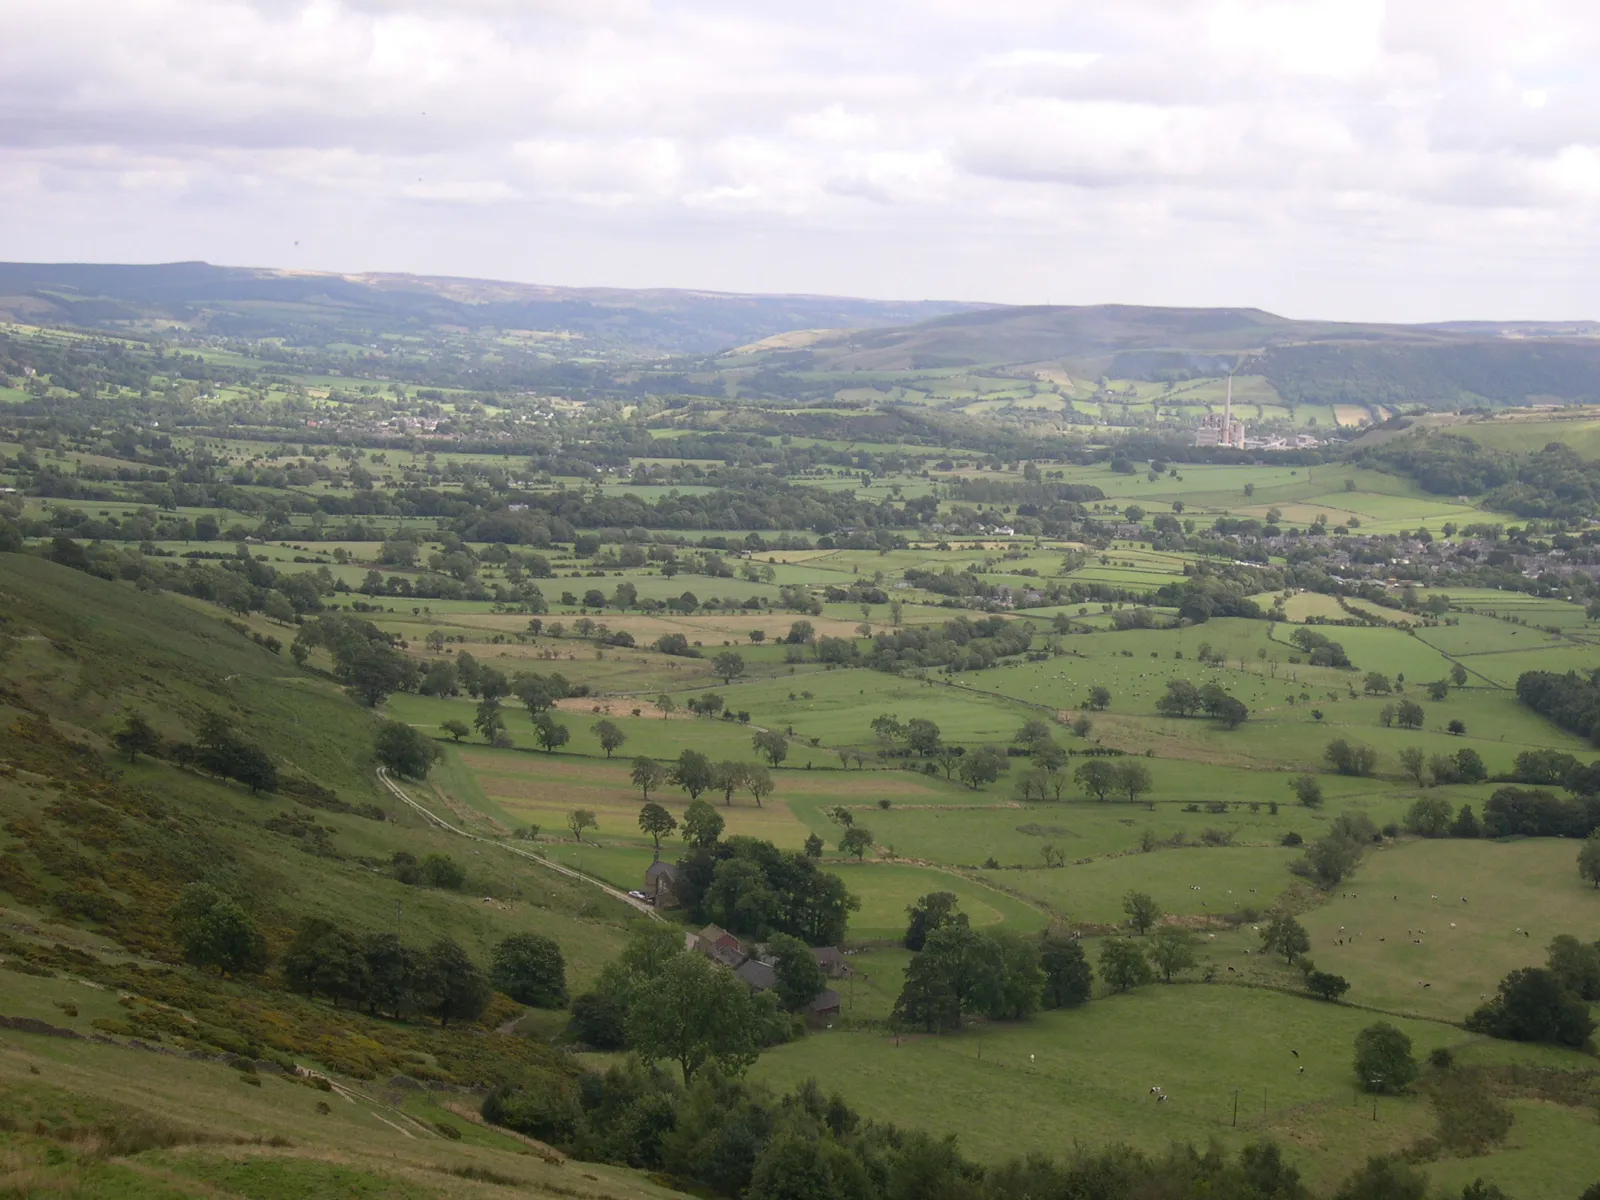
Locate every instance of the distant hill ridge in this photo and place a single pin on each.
(1445, 364)
(314, 307)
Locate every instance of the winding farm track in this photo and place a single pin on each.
(427, 814)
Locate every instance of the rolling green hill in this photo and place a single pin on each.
(1307, 362)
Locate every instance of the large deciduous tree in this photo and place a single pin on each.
(695, 1014)
(531, 970)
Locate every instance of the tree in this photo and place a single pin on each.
(1377, 684)
(1458, 675)
(442, 871)
(1021, 987)
(667, 706)
(729, 779)
(456, 729)
(981, 766)
(1577, 965)
(580, 819)
(136, 737)
(1326, 986)
(1182, 699)
(1384, 1179)
(1383, 1059)
(930, 912)
(599, 1020)
(972, 966)
(1589, 859)
(1466, 825)
(1032, 733)
(1439, 689)
(1286, 936)
(1048, 756)
(857, 840)
(490, 721)
(214, 931)
(647, 775)
(693, 773)
(1533, 1006)
(1099, 699)
(610, 736)
(391, 973)
(813, 846)
(702, 825)
(1123, 965)
(757, 781)
(1413, 764)
(1409, 715)
(406, 751)
(1174, 949)
(800, 977)
(1307, 790)
(926, 1000)
(696, 1014)
(1430, 817)
(1350, 758)
(771, 744)
(1457, 726)
(923, 736)
(1068, 978)
(449, 983)
(530, 969)
(1097, 777)
(1133, 777)
(656, 822)
(538, 694)
(551, 733)
(1143, 912)
(729, 665)
(323, 958)
(1469, 766)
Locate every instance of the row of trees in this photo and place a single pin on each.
(217, 749)
(725, 1138)
(697, 775)
(381, 974)
(753, 889)
(1000, 974)
(1183, 699)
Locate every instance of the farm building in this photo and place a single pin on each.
(661, 884)
(754, 972)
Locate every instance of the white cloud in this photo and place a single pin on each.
(1334, 157)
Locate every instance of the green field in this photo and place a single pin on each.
(864, 543)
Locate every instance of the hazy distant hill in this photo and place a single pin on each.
(1319, 362)
(316, 308)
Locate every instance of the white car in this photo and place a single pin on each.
(637, 896)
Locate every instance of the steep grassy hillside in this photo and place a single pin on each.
(96, 850)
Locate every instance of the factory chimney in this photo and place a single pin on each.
(1227, 414)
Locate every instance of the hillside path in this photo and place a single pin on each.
(405, 798)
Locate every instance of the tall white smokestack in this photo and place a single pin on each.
(1227, 414)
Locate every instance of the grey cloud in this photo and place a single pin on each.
(959, 146)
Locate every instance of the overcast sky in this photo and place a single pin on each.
(1410, 160)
